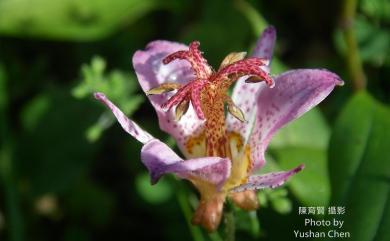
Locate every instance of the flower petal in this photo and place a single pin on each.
(160, 159)
(269, 180)
(296, 92)
(265, 44)
(151, 72)
(244, 94)
(128, 125)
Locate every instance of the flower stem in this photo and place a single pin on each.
(182, 198)
(354, 63)
(7, 170)
(255, 19)
(230, 226)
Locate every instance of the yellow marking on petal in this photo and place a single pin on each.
(237, 153)
(196, 146)
(241, 162)
(205, 188)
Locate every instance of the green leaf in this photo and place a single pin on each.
(247, 221)
(373, 41)
(359, 164)
(3, 89)
(54, 151)
(119, 86)
(255, 19)
(310, 186)
(154, 194)
(282, 205)
(69, 19)
(34, 111)
(89, 202)
(305, 140)
(376, 8)
(310, 130)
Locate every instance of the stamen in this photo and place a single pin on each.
(181, 109)
(234, 109)
(178, 97)
(163, 88)
(231, 58)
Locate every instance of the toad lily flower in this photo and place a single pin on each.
(221, 150)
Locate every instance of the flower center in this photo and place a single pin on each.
(207, 92)
(236, 152)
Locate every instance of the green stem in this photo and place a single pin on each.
(230, 226)
(7, 172)
(354, 63)
(13, 215)
(182, 198)
(257, 21)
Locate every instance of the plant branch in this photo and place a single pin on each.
(354, 64)
(7, 173)
(230, 226)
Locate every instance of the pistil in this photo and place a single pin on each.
(213, 107)
(207, 92)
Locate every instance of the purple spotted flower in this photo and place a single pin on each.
(222, 150)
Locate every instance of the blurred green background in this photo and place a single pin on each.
(68, 173)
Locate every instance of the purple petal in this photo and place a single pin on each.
(151, 72)
(244, 94)
(269, 180)
(128, 125)
(160, 159)
(296, 92)
(265, 44)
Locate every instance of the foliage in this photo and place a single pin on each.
(360, 167)
(68, 19)
(119, 86)
(55, 184)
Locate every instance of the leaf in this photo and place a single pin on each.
(305, 140)
(90, 203)
(255, 19)
(3, 89)
(376, 8)
(33, 111)
(373, 41)
(310, 186)
(359, 163)
(310, 130)
(247, 221)
(116, 84)
(80, 20)
(54, 151)
(154, 194)
(282, 205)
